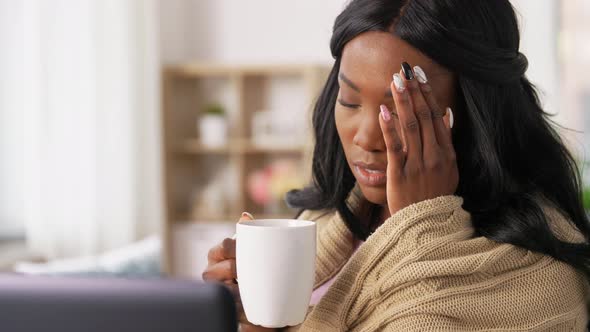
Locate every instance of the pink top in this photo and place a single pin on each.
(317, 294)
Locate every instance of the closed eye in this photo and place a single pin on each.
(353, 106)
(341, 102)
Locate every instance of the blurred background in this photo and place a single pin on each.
(133, 133)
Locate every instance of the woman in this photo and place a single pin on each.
(468, 218)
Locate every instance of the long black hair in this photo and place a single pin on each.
(508, 151)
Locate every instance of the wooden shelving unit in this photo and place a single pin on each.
(194, 146)
(190, 166)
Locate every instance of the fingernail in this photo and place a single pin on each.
(451, 119)
(385, 113)
(246, 214)
(400, 86)
(407, 71)
(420, 75)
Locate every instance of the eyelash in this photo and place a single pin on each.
(348, 105)
(357, 106)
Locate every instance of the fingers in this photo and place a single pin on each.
(410, 127)
(246, 216)
(422, 109)
(234, 289)
(395, 153)
(449, 118)
(441, 129)
(221, 271)
(227, 248)
(247, 327)
(242, 316)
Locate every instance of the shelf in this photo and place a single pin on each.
(206, 218)
(194, 146)
(228, 218)
(253, 149)
(194, 172)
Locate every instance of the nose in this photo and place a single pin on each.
(368, 135)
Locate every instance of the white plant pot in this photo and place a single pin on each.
(213, 130)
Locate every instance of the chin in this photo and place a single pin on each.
(375, 195)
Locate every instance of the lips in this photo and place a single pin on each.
(371, 166)
(372, 174)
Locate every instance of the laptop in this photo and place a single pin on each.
(58, 304)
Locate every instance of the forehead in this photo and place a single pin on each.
(374, 56)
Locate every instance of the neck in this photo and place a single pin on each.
(384, 214)
(372, 215)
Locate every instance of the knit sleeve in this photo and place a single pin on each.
(428, 323)
(449, 279)
(426, 269)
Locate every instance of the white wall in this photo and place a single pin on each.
(270, 31)
(264, 31)
(539, 25)
(574, 55)
(260, 31)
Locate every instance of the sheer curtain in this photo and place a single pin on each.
(79, 132)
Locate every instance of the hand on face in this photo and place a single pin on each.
(421, 161)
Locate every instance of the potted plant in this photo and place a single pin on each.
(213, 126)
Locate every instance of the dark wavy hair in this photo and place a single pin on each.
(508, 151)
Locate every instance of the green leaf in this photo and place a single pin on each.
(214, 109)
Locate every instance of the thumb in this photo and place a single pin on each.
(246, 216)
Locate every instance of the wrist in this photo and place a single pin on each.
(243, 327)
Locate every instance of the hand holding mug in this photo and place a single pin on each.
(222, 268)
(270, 268)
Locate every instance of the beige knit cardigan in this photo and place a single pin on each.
(424, 269)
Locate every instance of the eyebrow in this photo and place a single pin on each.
(356, 88)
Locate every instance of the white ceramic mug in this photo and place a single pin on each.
(275, 262)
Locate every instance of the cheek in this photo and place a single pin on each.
(445, 99)
(345, 127)
(445, 92)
